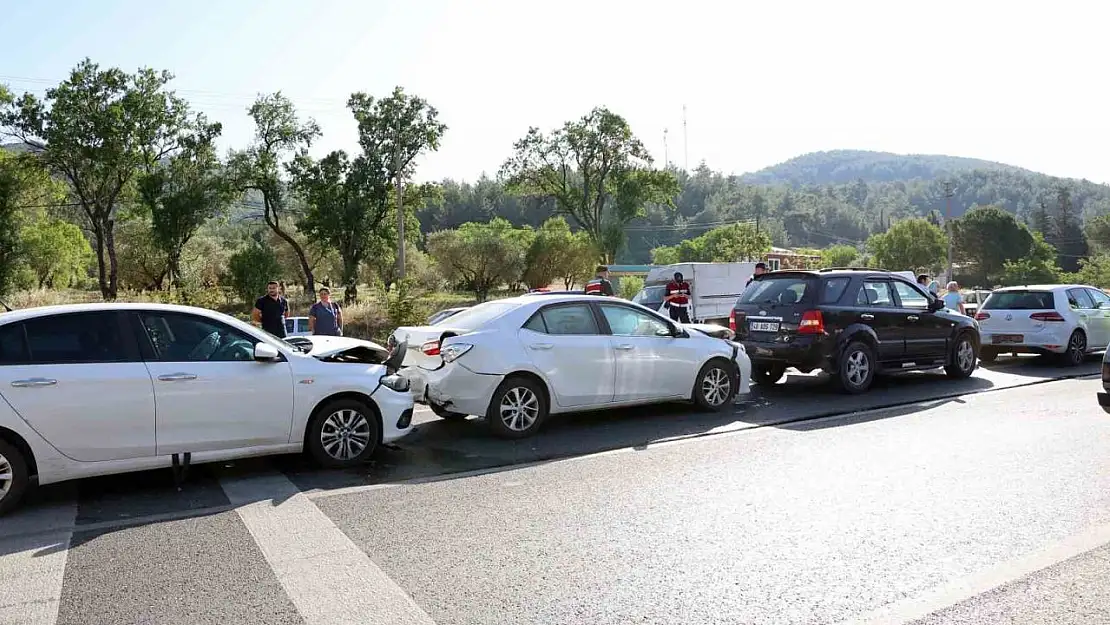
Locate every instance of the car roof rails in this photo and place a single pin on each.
(876, 269)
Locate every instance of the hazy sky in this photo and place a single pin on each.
(1018, 82)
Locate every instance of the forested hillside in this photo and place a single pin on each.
(842, 166)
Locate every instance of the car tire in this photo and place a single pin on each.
(447, 415)
(12, 489)
(344, 433)
(767, 375)
(988, 354)
(517, 409)
(961, 362)
(716, 385)
(856, 368)
(1076, 351)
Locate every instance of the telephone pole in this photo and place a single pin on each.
(666, 158)
(685, 142)
(400, 218)
(948, 193)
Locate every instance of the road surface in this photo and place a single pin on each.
(926, 501)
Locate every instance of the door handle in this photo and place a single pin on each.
(177, 377)
(912, 318)
(624, 347)
(867, 317)
(34, 383)
(540, 346)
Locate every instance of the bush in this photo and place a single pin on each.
(250, 269)
(630, 286)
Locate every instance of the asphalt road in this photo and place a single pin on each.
(926, 506)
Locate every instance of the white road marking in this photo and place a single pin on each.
(329, 579)
(960, 590)
(32, 567)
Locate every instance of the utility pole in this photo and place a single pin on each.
(666, 158)
(685, 142)
(400, 217)
(948, 193)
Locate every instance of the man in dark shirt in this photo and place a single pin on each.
(270, 310)
(678, 299)
(760, 269)
(600, 285)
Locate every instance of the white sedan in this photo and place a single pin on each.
(108, 388)
(1069, 320)
(515, 361)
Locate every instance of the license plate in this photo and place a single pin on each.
(1006, 338)
(764, 326)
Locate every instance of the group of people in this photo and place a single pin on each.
(953, 300)
(325, 317)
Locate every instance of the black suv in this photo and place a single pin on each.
(851, 323)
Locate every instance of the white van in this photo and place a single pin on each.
(714, 288)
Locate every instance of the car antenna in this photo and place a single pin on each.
(6, 307)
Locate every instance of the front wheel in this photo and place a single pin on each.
(344, 433)
(518, 408)
(961, 362)
(13, 477)
(857, 368)
(715, 386)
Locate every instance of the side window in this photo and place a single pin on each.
(536, 324)
(75, 338)
(1099, 297)
(624, 321)
(570, 320)
(1078, 298)
(875, 293)
(13, 349)
(910, 297)
(187, 338)
(834, 288)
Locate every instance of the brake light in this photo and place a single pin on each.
(1047, 316)
(431, 348)
(979, 316)
(732, 320)
(812, 323)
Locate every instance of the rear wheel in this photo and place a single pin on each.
(961, 362)
(857, 368)
(767, 375)
(518, 408)
(1077, 349)
(13, 477)
(988, 354)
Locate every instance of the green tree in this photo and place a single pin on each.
(1039, 267)
(908, 244)
(556, 253)
(726, 244)
(597, 172)
(1069, 240)
(1098, 232)
(10, 241)
(184, 192)
(278, 133)
(986, 238)
(1094, 271)
(250, 269)
(56, 251)
(478, 256)
(99, 129)
(142, 263)
(840, 256)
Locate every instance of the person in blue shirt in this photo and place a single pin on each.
(952, 298)
(325, 317)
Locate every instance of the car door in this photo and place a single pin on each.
(651, 363)
(565, 343)
(210, 392)
(878, 309)
(1091, 319)
(926, 332)
(78, 380)
(1101, 315)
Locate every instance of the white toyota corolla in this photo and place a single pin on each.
(109, 388)
(515, 361)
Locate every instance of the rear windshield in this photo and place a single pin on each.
(650, 294)
(1020, 300)
(478, 316)
(781, 291)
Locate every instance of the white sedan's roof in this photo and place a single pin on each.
(43, 311)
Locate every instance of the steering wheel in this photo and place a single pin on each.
(205, 348)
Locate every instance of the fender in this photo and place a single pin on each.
(853, 332)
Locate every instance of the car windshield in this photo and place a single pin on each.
(476, 317)
(785, 291)
(649, 294)
(1019, 300)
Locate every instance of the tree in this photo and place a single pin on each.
(986, 238)
(839, 256)
(1094, 271)
(1069, 240)
(99, 129)
(142, 263)
(10, 242)
(479, 256)
(250, 269)
(1039, 267)
(556, 253)
(726, 244)
(393, 132)
(56, 251)
(909, 244)
(278, 133)
(184, 192)
(1098, 232)
(597, 172)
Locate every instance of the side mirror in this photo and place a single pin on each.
(264, 352)
(936, 304)
(1104, 306)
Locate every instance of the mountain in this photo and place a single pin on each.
(845, 166)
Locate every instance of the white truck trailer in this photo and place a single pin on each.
(714, 288)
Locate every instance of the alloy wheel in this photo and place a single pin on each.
(965, 355)
(858, 366)
(345, 434)
(1077, 347)
(7, 477)
(519, 409)
(716, 386)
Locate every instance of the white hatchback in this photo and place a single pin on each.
(1072, 320)
(108, 388)
(534, 356)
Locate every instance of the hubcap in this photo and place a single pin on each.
(345, 434)
(716, 386)
(858, 368)
(7, 477)
(965, 356)
(1078, 346)
(519, 409)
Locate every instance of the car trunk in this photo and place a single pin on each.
(772, 308)
(423, 343)
(1012, 316)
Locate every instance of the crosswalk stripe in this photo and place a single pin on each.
(32, 567)
(329, 579)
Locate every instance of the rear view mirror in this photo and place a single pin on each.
(264, 352)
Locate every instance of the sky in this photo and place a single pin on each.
(1019, 82)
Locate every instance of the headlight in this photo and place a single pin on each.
(452, 352)
(395, 382)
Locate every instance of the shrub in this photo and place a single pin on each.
(250, 269)
(630, 286)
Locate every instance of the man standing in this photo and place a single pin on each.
(600, 285)
(325, 317)
(760, 269)
(678, 298)
(270, 310)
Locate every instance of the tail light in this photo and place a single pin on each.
(1047, 316)
(431, 348)
(979, 316)
(812, 323)
(732, 320)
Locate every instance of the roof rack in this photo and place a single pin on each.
(855, 269)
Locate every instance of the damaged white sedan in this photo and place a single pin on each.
(525, 358)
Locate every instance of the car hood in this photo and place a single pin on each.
(709, 329)
(328, 346)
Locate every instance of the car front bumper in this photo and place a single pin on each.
(744, 368)
(453, 387)
(396, 409)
